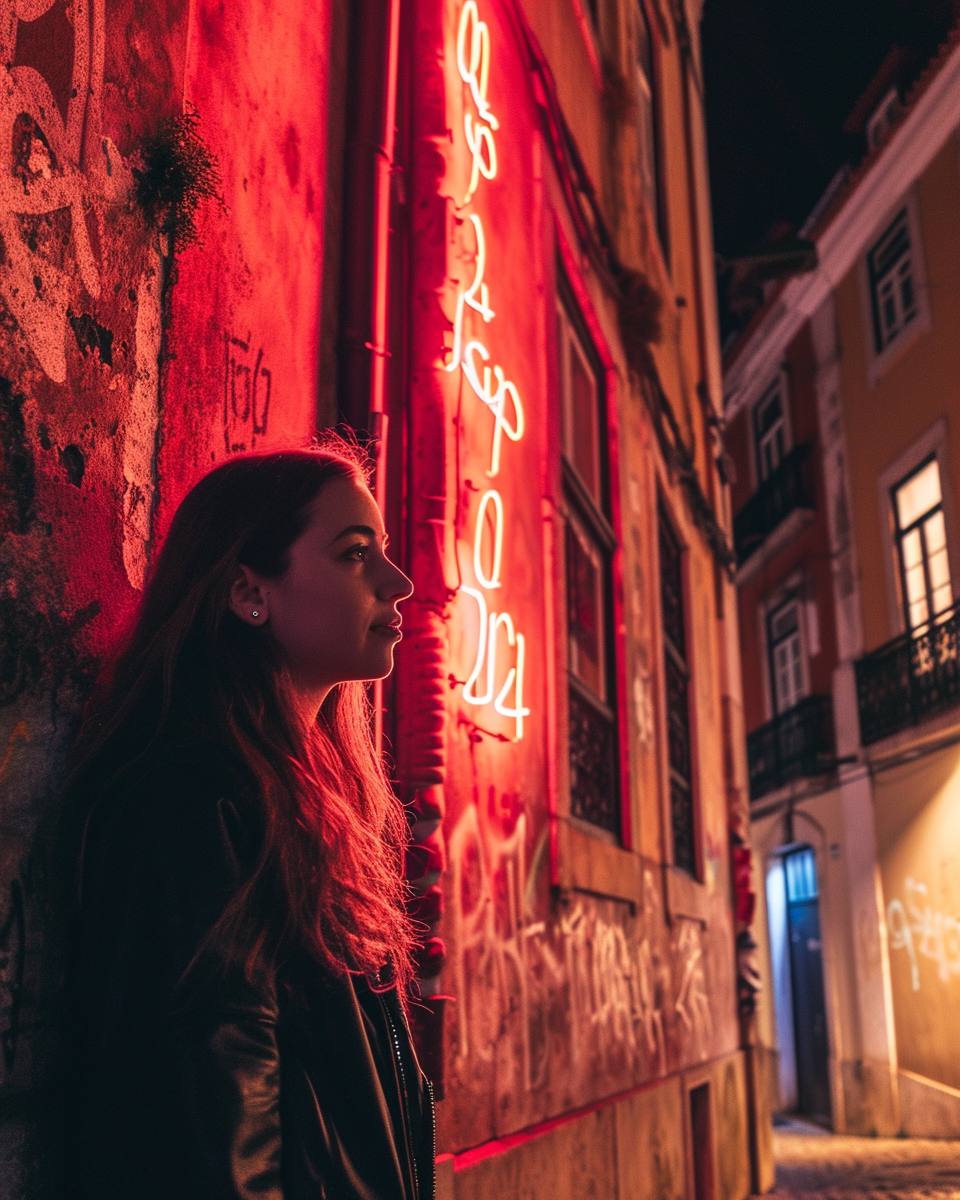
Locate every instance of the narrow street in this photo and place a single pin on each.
(815, 1165)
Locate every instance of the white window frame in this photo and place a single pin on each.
(779, 380)
(794, 587)
(798, 604)
(882, 118)
(570, 345)
(878, 362)
(931, 444)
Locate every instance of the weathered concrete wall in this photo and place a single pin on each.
(125, 369)
(635, 1148)
(80, 285)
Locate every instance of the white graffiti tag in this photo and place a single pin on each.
(918, 928)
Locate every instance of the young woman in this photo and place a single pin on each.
(234, 938)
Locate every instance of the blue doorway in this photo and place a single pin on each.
(806, 982)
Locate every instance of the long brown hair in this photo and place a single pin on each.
(330, 869)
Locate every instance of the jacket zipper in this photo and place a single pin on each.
(404, 1100)
(431, 1162)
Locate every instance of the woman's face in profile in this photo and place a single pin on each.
(334, 611)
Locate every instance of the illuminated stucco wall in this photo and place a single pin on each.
(557, 1004)
(919, 386)
(246, 305)
(115, 394)
(918, 835)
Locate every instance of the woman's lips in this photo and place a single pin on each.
(391, 632)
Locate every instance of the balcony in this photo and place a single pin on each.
(794, 745)
(915, 676)
(787, 492)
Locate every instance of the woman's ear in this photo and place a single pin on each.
(247, 597)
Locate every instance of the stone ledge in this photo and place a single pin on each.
(927, 1108)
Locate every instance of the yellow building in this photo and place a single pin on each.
(863, 355)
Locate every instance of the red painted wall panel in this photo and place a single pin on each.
(244, 328)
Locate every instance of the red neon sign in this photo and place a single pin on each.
(497, 675)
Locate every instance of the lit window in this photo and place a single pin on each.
(677, 678)
(786, 656)
(588, 545)
(922, 545)
(647, 117)
(801, 868)
(770, 427)
(893, 294)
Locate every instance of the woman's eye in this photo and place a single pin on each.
(357, 553)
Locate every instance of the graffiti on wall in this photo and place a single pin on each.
(621, 992)
(247, 383)
(47, 104)
(62, 188)
(915, 926)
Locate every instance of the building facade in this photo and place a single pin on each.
(476, 231)
(842, 408)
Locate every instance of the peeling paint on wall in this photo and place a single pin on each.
(141, 430)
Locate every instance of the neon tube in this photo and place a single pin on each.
(494, 579)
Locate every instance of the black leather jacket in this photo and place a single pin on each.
(292, 1084)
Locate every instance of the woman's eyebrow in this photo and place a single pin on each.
(361, 529)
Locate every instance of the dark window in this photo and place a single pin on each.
(648, 132)
(589, 542)
(921, 535)
(677, 676)
(893, 296)
(770, 430)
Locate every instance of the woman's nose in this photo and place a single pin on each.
(397, 586)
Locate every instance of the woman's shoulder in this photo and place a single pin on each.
(174, 766)
(182, 791)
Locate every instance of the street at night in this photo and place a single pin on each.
(813, 1164)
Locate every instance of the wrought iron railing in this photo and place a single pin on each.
(594, 782)
(915, 676)
(787, 489)
(795, 745)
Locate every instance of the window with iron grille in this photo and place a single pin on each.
(589, 542)
(921, 537)
(892, 275)
(677, 679)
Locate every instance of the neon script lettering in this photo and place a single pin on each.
(498, 639)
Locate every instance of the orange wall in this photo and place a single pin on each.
(922, 384)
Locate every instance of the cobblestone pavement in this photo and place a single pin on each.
(815, 1165)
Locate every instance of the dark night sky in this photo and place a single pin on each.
(781, 77)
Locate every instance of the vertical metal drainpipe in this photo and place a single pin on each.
(377, 421)
(364, 377)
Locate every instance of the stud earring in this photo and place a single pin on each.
(254, 613)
